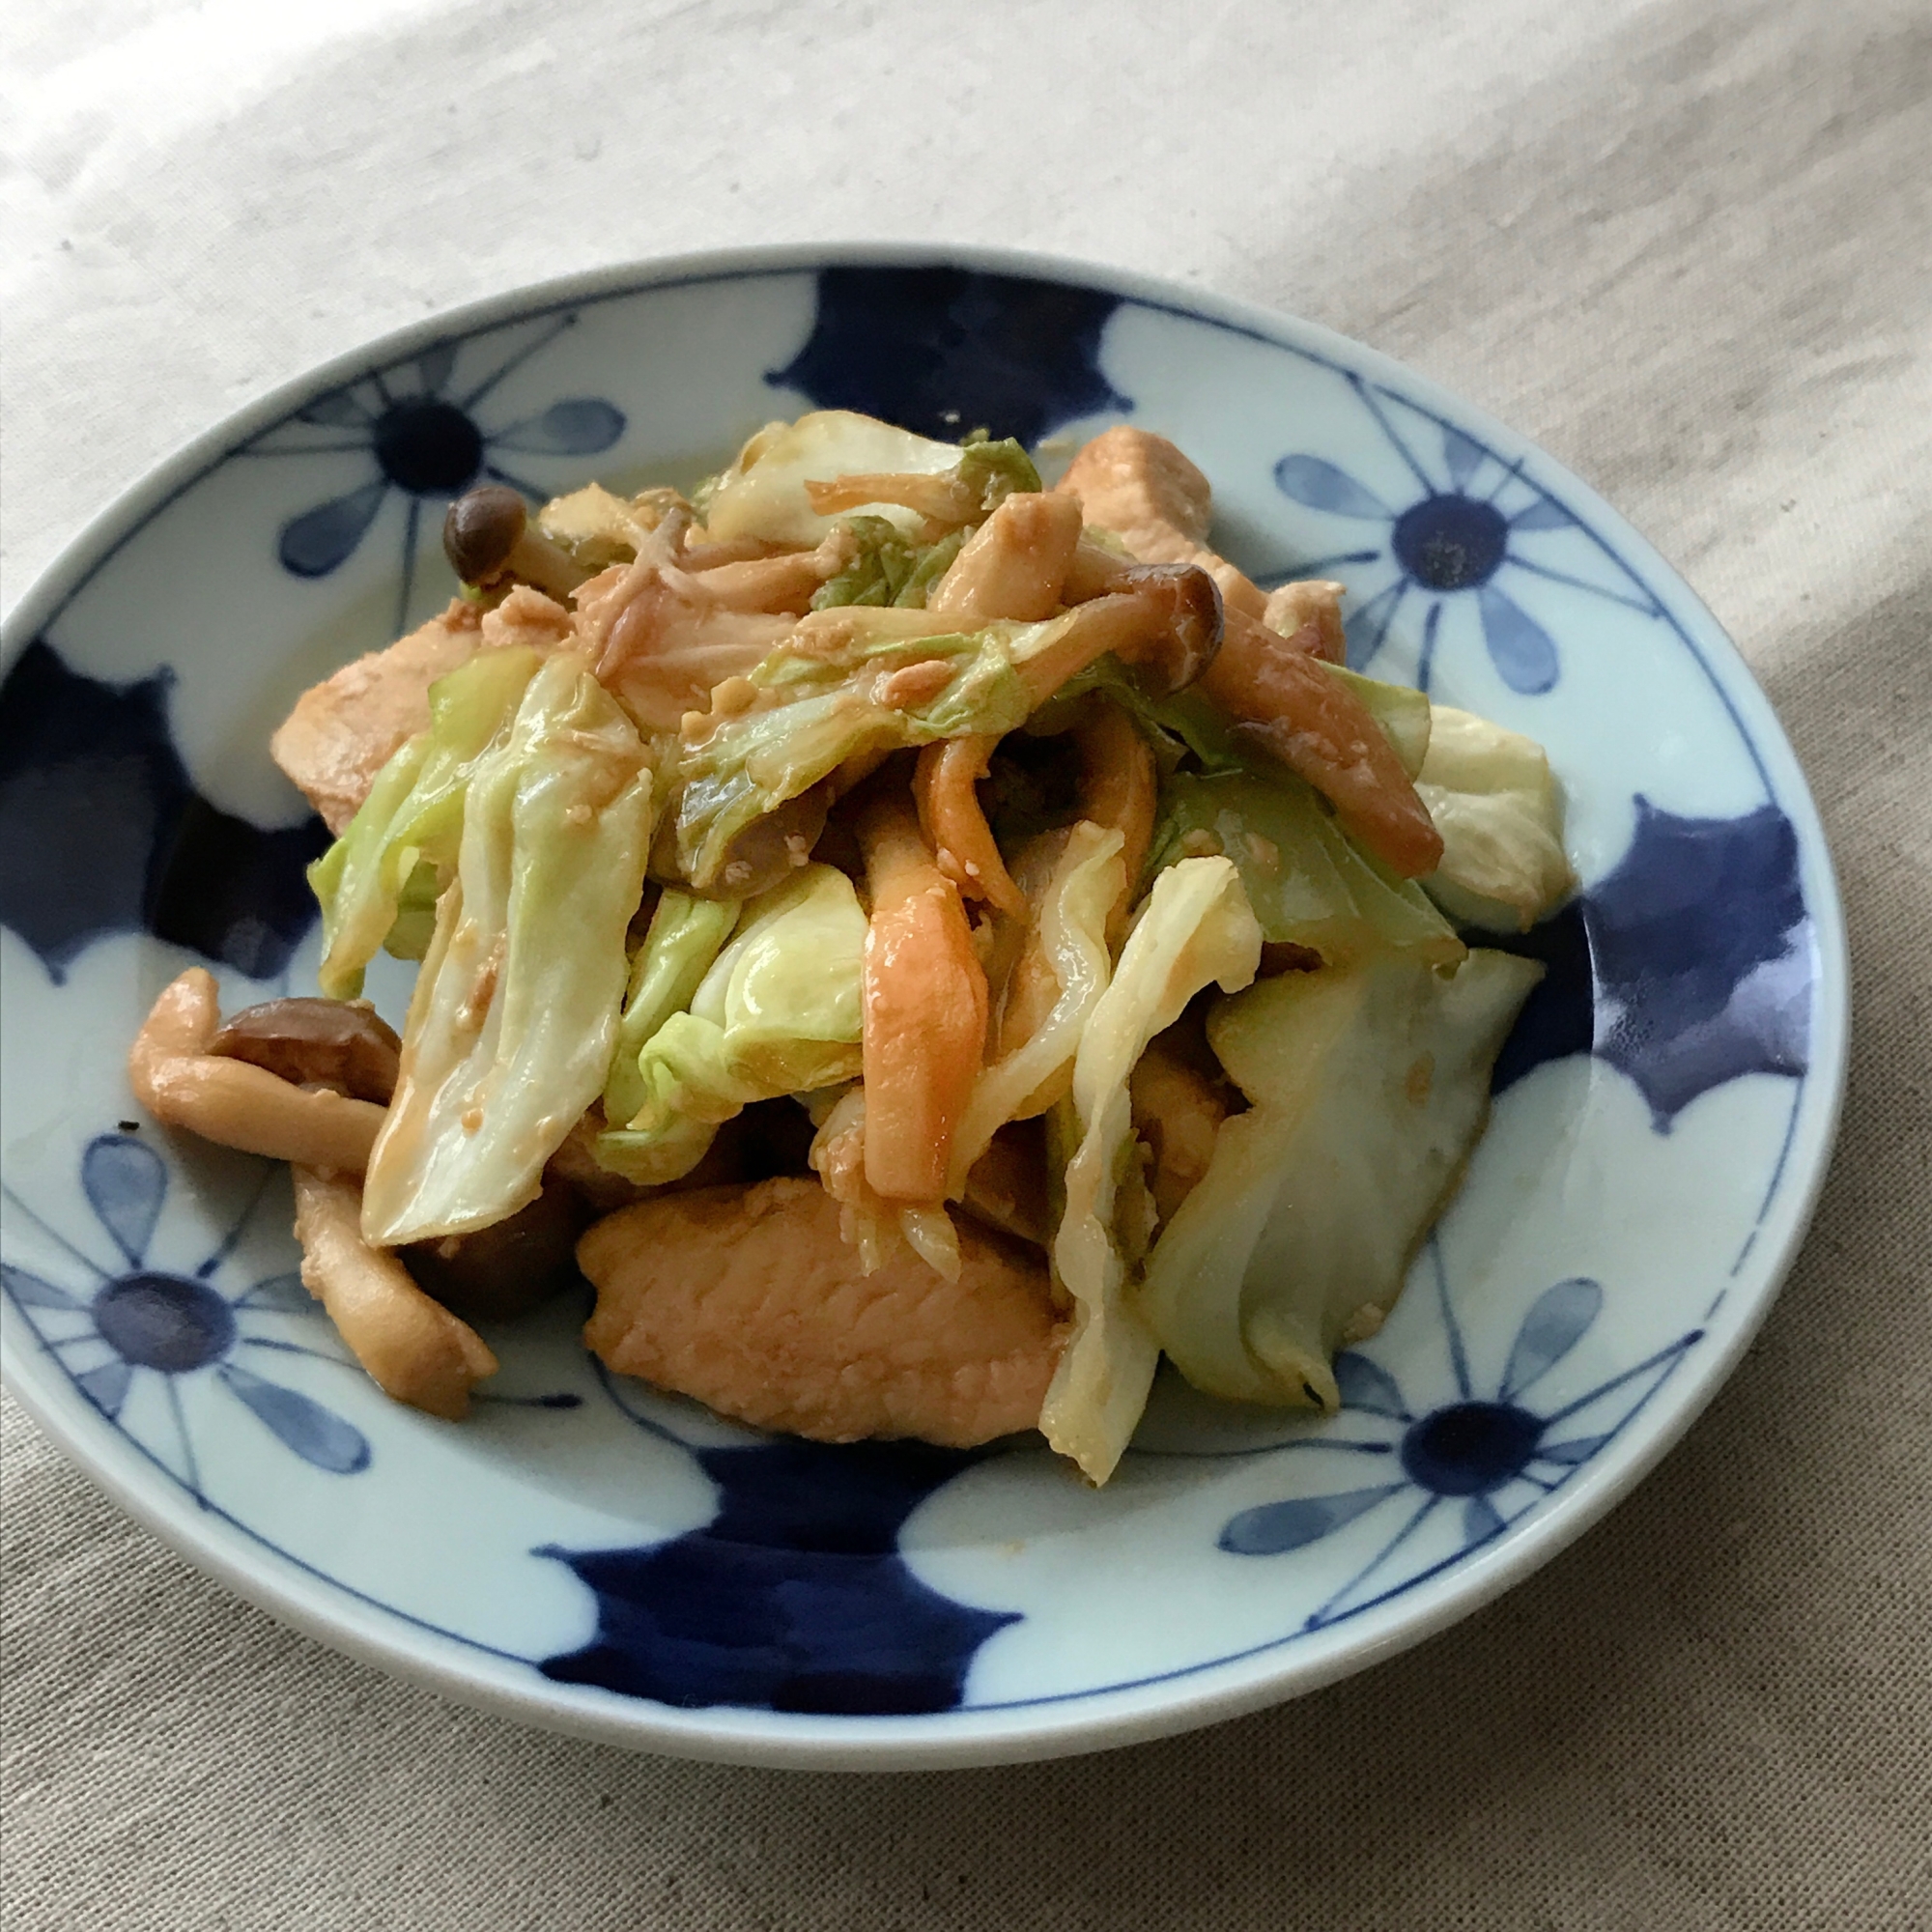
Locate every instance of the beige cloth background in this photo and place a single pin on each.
(1684, 245)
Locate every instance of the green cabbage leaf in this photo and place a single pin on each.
(1195, 929)
(393, 856)
(778, 1012)
(515, 1013)
(1370, 1085)
(1499, 808)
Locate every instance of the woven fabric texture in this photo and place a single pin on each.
(1682, 244)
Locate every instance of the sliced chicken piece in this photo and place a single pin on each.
(748, 1299)
(343, 731)
(1142, 489)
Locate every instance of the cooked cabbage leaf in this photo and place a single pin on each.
(778, 1012)
(1194, 928)
(686, 935)
(1370, 1085)
(1309, 883)
(515, 1012)
(826, 705)
(1071, 929)
(1496, 804)
(763, 495)
(887, 568)
(392, 854)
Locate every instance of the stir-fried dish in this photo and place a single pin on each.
(921, 944)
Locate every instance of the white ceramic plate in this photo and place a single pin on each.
(586, 1553)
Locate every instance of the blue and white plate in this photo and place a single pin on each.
(587, 1553)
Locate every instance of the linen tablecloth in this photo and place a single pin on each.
(1685, 245)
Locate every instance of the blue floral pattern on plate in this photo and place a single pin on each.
(119, 1324)
(1487, 1450)
(1471, 522)
(426, 443)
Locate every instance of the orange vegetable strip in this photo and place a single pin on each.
(924, 1008)
(1318, 727)
(1118, 783)
(1015, 563)
(949, 816)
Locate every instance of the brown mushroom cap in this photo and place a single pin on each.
(503, 1271)
(337, 1043)
(1190, 599)
(483, 526)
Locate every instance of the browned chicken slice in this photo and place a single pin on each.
(343, 731)
(748, 1299)
(1145, 491)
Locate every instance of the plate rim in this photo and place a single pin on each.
(1106, 1717)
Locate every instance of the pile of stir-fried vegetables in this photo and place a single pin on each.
(926, 944)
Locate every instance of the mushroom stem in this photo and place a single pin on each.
(418, 1350)
(1163, 618)
(179, 1077)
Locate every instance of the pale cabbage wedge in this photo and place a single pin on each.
(686, 935)
(1307, 882)
(1370, 1085)
(1087, 880)
(413, 814)
(763, 496)
(1194, 928)
(778, 1013)
(1500, 812)
(514, 1016)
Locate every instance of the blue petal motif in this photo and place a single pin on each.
(1480, 1521)
(106, 1386)
(580, 426)
(1367, 626)
(1463, 456)
(1520, 648)
(338, 410)
(1557, 1320)
(317, 1435)
(124, 1182)
(279, 1294)
(435, 366)
(944, 350)
(102, 831)
(316, 542)
(1544, 514)
(1270, 1528)
(30, 1291)
(1321, 486)
(1578, 1449)
(1366, 1386)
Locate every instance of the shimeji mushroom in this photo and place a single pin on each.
(185, 1080)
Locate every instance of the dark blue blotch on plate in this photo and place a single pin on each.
(1687, 966)
(1702, 955)
(1559, 1016)
(102, 831)
(793, 1598)
(944, 350)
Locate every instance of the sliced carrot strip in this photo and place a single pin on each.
(949, 816)
(1118, 787)
(925, 1008)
